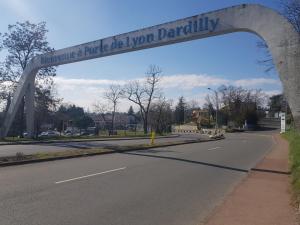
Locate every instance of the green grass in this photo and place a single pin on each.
(294, 156)
(47, 155)
(13, 139)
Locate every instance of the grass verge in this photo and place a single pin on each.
(294, 157)
(44, 156)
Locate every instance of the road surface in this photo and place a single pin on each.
(11, 149)
(171, 185)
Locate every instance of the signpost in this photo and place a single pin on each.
(283, 123)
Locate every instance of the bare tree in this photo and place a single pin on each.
(101, 110)
(160, 118)
(291, 10)
(143, 93)
(240, 104)
(209, 106)
(193, 104)
(113, 95)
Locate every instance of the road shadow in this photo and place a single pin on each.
(271, 171)
(78, 145)
(210, 164)
(67, 146)
(264, 130)
(267, 129)
(189, 161)
(154, 151)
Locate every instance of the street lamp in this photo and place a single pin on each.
(217, 102)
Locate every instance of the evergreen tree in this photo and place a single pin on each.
(130, 111)
(131, 118)
(180, 110)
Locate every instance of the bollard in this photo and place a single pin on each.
(152, 137)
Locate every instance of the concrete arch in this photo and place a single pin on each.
(279, 34)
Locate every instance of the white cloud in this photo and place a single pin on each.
(199, 98)
(256, 82)
(190, 81)
(272, 92)
(65, 81)
(85, 92)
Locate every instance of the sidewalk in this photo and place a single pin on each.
(263, 198)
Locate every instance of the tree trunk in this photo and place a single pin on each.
(113, 120)
(21, 131)
(146, 125)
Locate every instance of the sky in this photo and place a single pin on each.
(188, 68)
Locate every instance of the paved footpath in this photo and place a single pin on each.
(263, 198)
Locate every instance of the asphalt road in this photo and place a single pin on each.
(172, 185)
(10, 150)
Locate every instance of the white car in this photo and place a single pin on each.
(49, 133)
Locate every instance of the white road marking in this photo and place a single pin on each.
(90, 175)
(213, 148)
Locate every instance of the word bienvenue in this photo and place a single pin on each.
(204, 24)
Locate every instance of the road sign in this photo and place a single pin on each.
(283, 122)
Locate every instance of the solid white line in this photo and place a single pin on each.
(213, 148)
(90, 175)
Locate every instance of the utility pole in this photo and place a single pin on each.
(217, 105)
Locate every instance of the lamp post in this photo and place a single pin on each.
(217, 103)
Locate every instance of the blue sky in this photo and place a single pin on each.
(189, 68)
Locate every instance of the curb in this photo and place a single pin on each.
(109, 151)
(81, 140)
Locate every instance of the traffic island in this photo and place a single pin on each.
(20, 158)
(80, 139)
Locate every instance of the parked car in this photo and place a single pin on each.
(49, 133)
(68, 133)
(84, 133)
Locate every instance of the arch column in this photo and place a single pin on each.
(25, 88)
